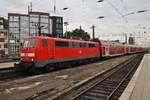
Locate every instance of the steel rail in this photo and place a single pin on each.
(77, 95)
(85, 91)
(108, 98)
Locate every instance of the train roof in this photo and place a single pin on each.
(129, 45)
(63, 39)
(104, 42)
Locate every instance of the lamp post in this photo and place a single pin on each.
(65, 8)
(39, 30)
(66, 22)
(93, 31)
(37, 26)
(100, 17)
(100, 0)
(54, 6)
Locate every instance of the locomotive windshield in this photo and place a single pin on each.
(31, 42)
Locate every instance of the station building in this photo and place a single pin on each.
(31, 24)
(3, 37)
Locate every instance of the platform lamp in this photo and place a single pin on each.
(100, 0)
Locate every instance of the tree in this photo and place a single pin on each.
(77, 33)
(96, 40)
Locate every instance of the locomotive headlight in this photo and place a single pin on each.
(32, 59)
(22, 54)
(31, 54)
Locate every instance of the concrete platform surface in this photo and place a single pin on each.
(139, 86)
(7, 65)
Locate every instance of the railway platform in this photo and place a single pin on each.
(139, 86)
(6, 65)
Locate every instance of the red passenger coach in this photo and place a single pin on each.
(112, 49)
(41, 51)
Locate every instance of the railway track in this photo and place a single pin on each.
(8, 74)
(107, 86)
(5, 60)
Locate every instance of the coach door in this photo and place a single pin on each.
(103, 51)
(106, 51)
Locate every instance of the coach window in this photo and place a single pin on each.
(70, 45)
(81, 45)
(87, 45)
(92, 45)
(75, 44)
(44, 42)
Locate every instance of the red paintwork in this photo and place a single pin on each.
(112, 49)
(52, 52)
(104, 48)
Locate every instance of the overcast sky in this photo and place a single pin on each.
(85, 13)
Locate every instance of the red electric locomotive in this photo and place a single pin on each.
(38, 52)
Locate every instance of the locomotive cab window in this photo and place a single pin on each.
(30, 42)
(44, 42)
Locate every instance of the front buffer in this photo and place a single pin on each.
(24, 66)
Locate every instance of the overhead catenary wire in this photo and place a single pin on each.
(117, 10)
